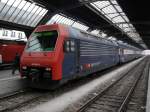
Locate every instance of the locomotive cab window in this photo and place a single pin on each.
(42, 41)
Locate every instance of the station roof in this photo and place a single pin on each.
(138, 13)
(96, 16)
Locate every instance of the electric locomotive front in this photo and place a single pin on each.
(43, 55)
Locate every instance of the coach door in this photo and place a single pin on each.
(74, 50)
(71, 57)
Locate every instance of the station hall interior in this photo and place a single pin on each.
(74, 56)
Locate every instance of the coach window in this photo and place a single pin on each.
(20, 35)
(72, 42)
(5, 33)
(69, 46)
(66, 46)
(13, 34)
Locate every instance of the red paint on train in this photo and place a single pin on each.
(53, 59)
(8, 50)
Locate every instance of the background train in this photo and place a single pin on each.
(57, 53)
(11, 42)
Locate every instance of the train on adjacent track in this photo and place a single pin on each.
(8, 50)
(57, 53)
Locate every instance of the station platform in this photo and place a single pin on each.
(7, 73)
(10, 83)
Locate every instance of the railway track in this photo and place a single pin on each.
(18, 99)
(118, 97)
(13, 94)
(137, 101)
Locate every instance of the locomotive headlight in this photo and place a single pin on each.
(24, 67)
(48, 69)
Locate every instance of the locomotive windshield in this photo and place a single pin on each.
(42, 41)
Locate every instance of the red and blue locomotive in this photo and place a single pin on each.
(57, 53)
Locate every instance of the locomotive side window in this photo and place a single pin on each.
(69, 46)
(42, 41)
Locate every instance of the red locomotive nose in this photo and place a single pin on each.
(38, 59)
(44, 51)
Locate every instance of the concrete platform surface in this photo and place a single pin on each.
(10, 83)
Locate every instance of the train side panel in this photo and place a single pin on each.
(128, 53)
(88, 56)
(97, 56)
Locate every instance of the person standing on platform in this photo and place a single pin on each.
(16, 63)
